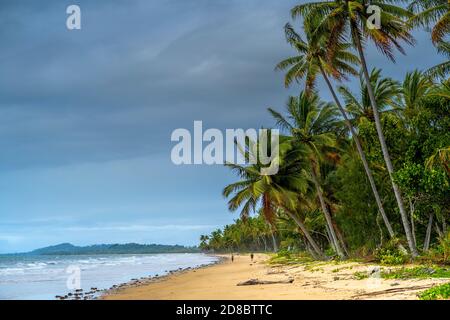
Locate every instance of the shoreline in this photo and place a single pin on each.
(96, 293)
(311, 281)
(143, 281)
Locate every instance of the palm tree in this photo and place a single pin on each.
(443, 69)
(204, 242)
(313, 58)
(269, 192)
(310, 122)
(386, 92)
(441, 158)
(432, 11)
(415, 87)
(343, 18)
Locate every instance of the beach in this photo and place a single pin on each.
(313, 281)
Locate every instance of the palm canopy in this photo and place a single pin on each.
(313, 55)
(435, 12)
(415, 87)
(310, 121)
(340, 17)
(386, 91)
(255, 190)
(443, 69)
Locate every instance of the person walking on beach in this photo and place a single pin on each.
(251, 256)
(232, 257)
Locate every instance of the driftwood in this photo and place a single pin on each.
(254, 282)
(393, 290)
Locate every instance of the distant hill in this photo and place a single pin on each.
(129, 248)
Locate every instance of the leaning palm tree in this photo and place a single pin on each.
(341, 19)
(311, 123)
(430, 12)
(269, 192)
(313, 59)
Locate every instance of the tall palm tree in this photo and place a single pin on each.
(313, 58)
(311, 124)
(435, 12)
(254, 189)
(350, 18)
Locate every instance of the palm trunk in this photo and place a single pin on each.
(438, 230)
(341, 240)
(413, 225)
(329, 238)
(274, 241)
(426, 244)
(327, 215)
(265, 243)
(384, 148)
(361, 155)
(305, 232)
(311, 250)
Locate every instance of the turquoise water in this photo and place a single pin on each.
(44, 277)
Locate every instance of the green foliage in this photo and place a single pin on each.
(443, 248)
(417, 273)
(415, 179)
(286, 257)
(360, 275)
(390, 254)
(355, 213)
(435, 293)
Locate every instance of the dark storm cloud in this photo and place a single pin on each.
(132, 74)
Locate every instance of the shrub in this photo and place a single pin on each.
(418, 273)
(390, 254)
(444, 248)
(439, 292)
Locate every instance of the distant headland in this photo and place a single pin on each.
(129, 248)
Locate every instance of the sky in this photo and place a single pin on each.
(86, 115)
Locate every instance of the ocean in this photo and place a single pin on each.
(24, 277)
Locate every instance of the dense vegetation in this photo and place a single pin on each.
(366, 174)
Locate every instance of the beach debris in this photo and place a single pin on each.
(254, 282)
(276, 272)
(393, 290)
